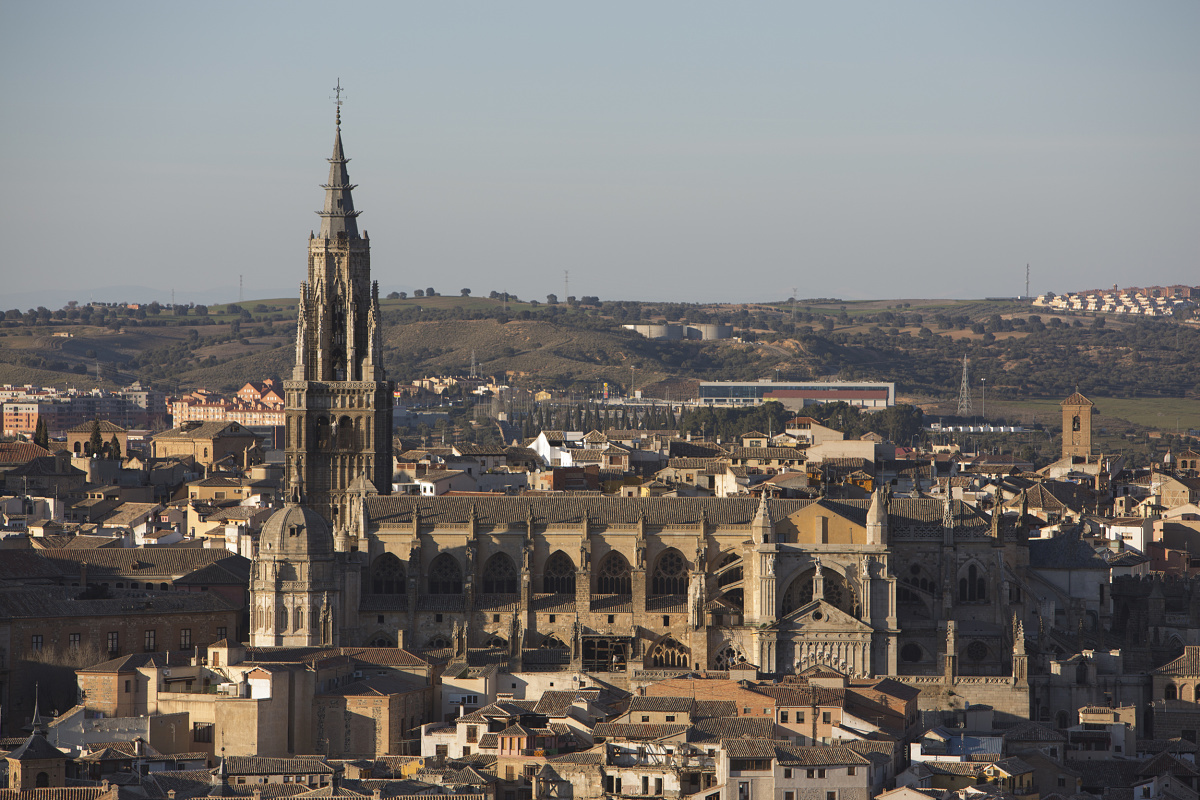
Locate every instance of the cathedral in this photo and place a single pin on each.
(885, 586)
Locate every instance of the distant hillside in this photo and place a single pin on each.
(919, 344)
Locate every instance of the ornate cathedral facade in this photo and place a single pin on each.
(889, 586)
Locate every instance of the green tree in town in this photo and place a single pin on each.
(95, 444)
(41, 436)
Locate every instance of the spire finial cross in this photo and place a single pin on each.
(337, 100)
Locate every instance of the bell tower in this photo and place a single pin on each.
(1077, 426)
(338, 412)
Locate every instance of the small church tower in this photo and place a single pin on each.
(1077, 426)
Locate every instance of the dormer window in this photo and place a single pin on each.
(294, 530)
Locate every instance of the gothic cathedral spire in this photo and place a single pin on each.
(339, 402)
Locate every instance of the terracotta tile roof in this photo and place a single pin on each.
(682, 705)
(1176, 745)
(1013, 766)
(553, 602)
(636, 731)
(692, 463)
(831, 755)
(1065, 551)
(20, 452)
(260, 765)
(590, 757)
(88, 427)
(715, 729)
(1076, 399)
(1033, 732)
(29, 565)
(34, 748)
(143, 563)
(796, 696)
(205, 430)
(768, 453)
(64, 601)
(557, 703)
(69, 793)
(714, 708)
(1166, 763)
(42, 467)
(1187, 664)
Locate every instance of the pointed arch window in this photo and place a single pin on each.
(728, 656)
(387, 575)
(670, 653)
(445, 576)
(800, 593)
(558, 577)
(499, 575)
(614, 577)
(670, 574)
(972, 586)
(552, 642)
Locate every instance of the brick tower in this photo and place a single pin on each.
(1077, 426)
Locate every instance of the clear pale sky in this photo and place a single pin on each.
(658, 150)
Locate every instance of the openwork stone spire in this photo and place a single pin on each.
(338, 218)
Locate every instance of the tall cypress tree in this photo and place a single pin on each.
(114, 448)
(96, 442)
(41, 436)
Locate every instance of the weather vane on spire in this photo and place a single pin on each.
(337, 101)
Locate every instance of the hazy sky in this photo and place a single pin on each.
(684, 150)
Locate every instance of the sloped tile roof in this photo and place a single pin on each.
(56, 601)
(105, 427)
(20, 452)
(1033, 732)
(636, 731)
(1065, 551)
(144, 563)
(794, 696)
(714, 708)
(1187, 664)
(681, 705)
(67, 793)
(831, 755)
(260, 765)
(205, 430)
(715, 729)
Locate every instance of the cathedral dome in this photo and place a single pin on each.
(295, 531)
